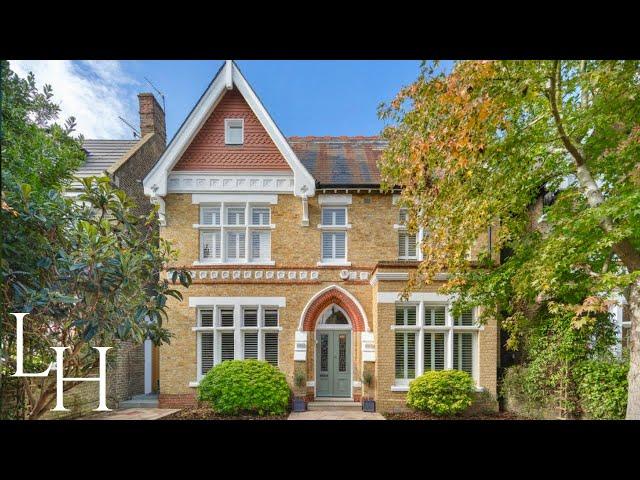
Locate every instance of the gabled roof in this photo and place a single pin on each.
(103, 154)
(340, 161)
(227, 78)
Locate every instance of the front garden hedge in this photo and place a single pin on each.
(441, 393)
(603, 388)
(240, 387)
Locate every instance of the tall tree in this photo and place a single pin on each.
(477, 145)
(88, 272)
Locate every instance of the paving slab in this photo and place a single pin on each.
(134, 414)
(335, 415)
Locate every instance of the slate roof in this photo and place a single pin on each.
(340, 161)
(101, 154)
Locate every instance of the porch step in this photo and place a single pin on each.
(320, 405)
(140, 401)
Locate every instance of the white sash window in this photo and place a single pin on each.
(227, 237)
(407, 242)
(429, 337)
(238, 332)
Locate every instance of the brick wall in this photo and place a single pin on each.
(371, 239)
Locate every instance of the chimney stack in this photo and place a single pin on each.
(151, 116)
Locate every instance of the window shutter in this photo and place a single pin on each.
(411, 315)
(210, 216)
(405, 355)
(463, 352)
(434, 315)
(402, 216)
(399, 315)
(340, 251)
(411, 245)
(400, 370)
(402, 244)
(226, 317)
(260, 245)
(433, 351)
(260, 216)
(271, 318)
(210, 245)
(235, 216)
(250, 318)
(271, 348)
(235, 245)
(327, 245)
(226, 346)
(250, 345)
(206, 318)
(340, 216)
(464, 319)
(206, 352)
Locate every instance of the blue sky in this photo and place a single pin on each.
(304, 97)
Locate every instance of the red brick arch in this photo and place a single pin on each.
(332, 296)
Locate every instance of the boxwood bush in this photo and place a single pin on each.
(602, 388)
(441, 393)
(241, 387)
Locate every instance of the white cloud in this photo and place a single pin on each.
(96, 92)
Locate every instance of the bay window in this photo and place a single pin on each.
(429, 337)
(236, 332)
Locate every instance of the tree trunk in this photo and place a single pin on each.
(633, 399)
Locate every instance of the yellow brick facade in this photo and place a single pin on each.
(296, 248)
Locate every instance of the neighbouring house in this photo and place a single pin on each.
(298, 259)
(134, 370)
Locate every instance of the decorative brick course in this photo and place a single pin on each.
(327, 299)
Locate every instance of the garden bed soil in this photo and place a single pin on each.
(426, 416)
(203, 413)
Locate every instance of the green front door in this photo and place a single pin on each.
(333, 363)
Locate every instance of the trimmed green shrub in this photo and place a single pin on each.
(251, 387)
(602, 387)
(441, 393)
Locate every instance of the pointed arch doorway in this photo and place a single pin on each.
(333, 353)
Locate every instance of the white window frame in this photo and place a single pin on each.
(227, 129)
(334, 228)
(401, 228)
(448, 329)
(224, 227)
(238, 330)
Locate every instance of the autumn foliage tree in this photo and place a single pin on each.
(479, 145)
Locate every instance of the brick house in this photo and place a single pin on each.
(134, 368)
(298, 259)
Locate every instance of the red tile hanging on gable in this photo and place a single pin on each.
(208, 151)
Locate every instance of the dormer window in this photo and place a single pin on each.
(233, 131)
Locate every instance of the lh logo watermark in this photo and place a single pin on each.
(60, 379)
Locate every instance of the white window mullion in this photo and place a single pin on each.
(237, 333)
(260, 335)
(448, 359)
(247, 237)
(223, 234)
(420, 340)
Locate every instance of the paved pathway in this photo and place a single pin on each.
(335, 415)
(134, 414)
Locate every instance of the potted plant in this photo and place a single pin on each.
(299, 402)
(368, 403)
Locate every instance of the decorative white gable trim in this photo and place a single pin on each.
(191, 182)
(155, 183)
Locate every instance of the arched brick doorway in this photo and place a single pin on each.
(334, 295)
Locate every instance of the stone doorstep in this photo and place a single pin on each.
(330, 405)
(335, 415)
(140, 401)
